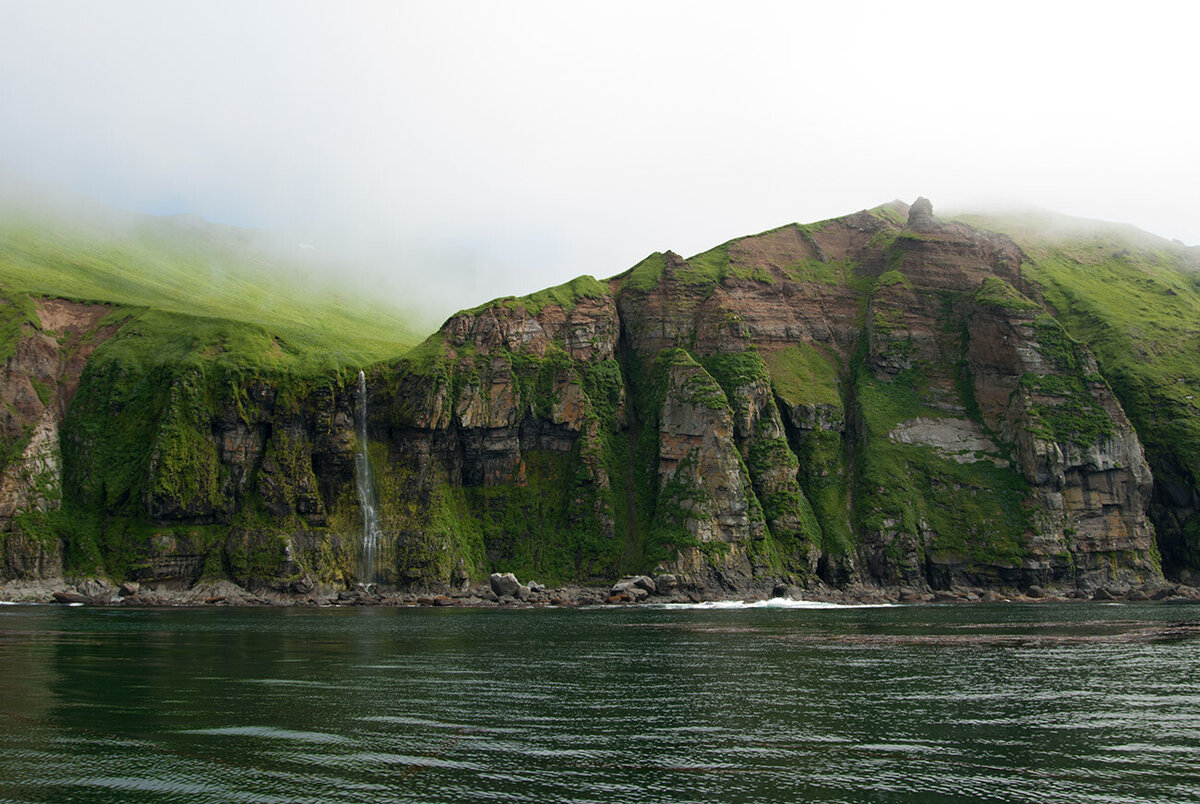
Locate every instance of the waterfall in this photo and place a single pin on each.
(365, 481)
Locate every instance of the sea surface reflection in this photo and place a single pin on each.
(1062, 702)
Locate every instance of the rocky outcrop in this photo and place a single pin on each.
(704, 487)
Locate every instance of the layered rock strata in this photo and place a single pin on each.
(879, 398)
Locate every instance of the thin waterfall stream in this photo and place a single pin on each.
(365, 480)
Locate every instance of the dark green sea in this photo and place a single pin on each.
(1007, 702)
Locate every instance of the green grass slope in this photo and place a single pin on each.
(190, 289)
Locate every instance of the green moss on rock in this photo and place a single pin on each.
(803, 375)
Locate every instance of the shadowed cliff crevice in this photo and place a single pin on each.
(633, 423)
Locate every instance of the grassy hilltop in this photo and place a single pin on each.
(188, 290)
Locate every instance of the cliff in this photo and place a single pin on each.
(886, 398)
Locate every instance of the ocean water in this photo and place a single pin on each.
(1049, 702)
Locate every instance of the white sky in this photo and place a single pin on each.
(468, 150)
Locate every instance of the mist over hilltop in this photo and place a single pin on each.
(461, 151)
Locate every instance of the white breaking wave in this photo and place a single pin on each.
(773, 603)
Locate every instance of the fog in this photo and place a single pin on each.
(451, 152)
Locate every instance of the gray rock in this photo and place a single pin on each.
(665, 584)
(642, 582)
(97, 590)
(304, 585)
(621, 586)
(534, 586)
(920, 215)
(70, 597)
(637, 592)
(129, 588)
(504, 584)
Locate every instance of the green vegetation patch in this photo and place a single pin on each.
(998, 293)
(1064, 409)
(566, 296)
(829, 272)
(825, 478)
(16, 310)
(538, 377)
(184, 467)
(736, 372)
(885, 404)
(889, 213)
(977, 510)
(706, 269)
(179, 282)
(647, 274)
(891, 278)
(546, 528)
(803, 375)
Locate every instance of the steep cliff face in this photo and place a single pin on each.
(197, 472)
(879, 398)
(885, 398)
(49, 343)
(167, 472)
(500, 441)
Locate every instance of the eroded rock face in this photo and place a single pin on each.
(170, 460)
(39, 380)
(753, 424)
(704, 486)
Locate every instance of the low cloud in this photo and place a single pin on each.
(458, 151)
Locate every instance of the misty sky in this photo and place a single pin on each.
(470, 150)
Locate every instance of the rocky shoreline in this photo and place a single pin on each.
(505, 591)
